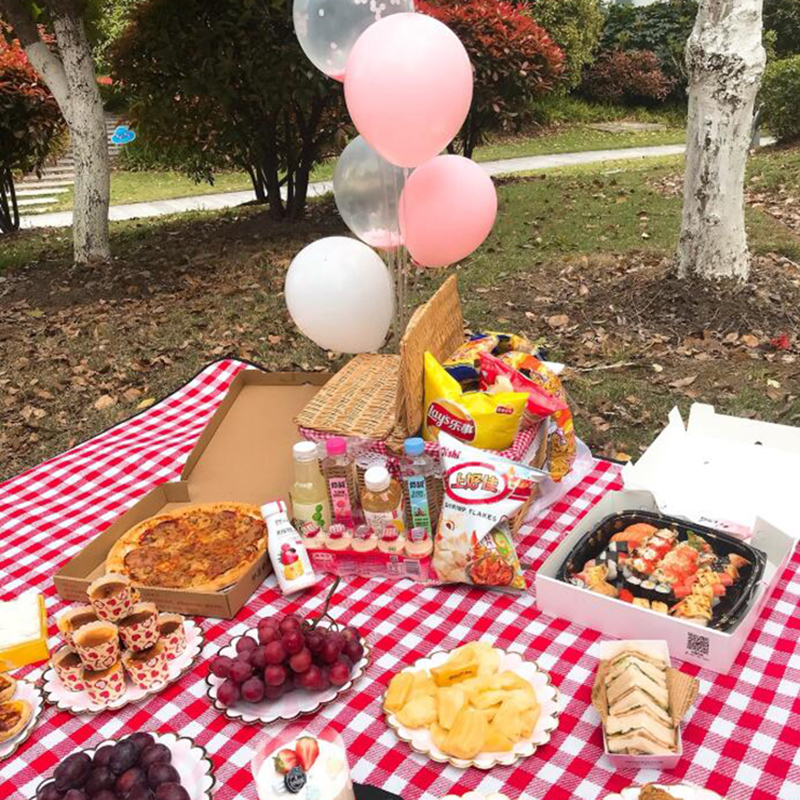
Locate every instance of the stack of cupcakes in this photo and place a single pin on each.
(116, 634)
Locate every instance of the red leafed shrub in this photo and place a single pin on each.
(632, 76)
(514, 61)
(30, 124)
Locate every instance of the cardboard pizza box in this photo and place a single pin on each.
(244, 454)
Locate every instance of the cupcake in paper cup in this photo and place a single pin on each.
(104, 686)
(147, 668)
(139, 630)
(173, 634)
(69, 668)
(72, 619)
(97, 644)
(112, 596)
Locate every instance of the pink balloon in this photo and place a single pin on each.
(408, 87)
(447, 209)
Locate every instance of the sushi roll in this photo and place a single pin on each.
(649, 590)
(634, 584)
(663, 593)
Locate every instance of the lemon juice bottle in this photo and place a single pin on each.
(309, 494)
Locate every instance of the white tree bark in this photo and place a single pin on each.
(72, 81)
(725, 61)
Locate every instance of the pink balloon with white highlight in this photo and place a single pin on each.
(447, 209)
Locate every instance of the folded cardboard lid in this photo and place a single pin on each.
(722, 471)
(245, 452)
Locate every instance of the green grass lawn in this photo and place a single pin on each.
(142, 187)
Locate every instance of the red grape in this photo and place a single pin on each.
(253, 690)
(314, 641)
(228, 693)
(330, 650)
(245, 643)
(339, 674)
(351, 634)
(274, 653)
(324, 679)
(220, 666)
(354, 650)
(273, 692)
(301, 661)
(290, 623)
(275, 675)
(311, 679)
(258, 657)
(268, 634)
(241, 671)
(293, 642)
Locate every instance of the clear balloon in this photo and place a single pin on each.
(408, 87)
(328, 29)
(367, 190)
(340, 294)
(447, 209)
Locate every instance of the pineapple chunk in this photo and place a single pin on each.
(522, 699)
(467, 735)
(487, 699)
(439, 736)
(487, 657)
(449, 673)
(529, 720)
(418, 712)
(450, 700)
(423, 685)
(510, 680)
(496, 741)
(398, 691)
(509, 721)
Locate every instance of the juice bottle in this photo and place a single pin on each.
(418, 471)
(309, 497)
(382, 500)
(340, 472)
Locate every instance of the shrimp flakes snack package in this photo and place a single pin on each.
(482, 491)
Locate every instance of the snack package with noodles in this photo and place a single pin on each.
(562, 430)
(506, 342)
(473, 542)
(490, 421)
(497, 376)
(463, 364)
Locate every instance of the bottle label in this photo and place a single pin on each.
(341, 508)
(310, 512)
(378, 520)
(419, 510)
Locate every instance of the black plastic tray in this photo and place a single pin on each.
(736, 601)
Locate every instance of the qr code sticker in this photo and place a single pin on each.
(697, 645)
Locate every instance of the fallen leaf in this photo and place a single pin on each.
(131, 394)
(658, 368)
(749, 340)
(36, 313)
(773, 383)
(146, 403)
(683, 382)
(530, 315)
(558, 321)
(274, 338)
(105, 401)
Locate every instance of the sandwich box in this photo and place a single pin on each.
(244, 454)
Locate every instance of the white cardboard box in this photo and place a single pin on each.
(687, 641)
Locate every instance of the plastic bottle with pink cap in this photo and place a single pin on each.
(340, 473)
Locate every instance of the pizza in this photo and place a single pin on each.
(200, 547)
(7, 687)
(14, 716)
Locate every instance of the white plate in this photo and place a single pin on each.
(33, 694)
(80, 703)
(296, 703)
(420, 738)
(189, 758)
(681, 791)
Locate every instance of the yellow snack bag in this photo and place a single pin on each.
(488, 421)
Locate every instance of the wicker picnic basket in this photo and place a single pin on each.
(380, 397)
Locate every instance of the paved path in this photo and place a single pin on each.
(229, 199)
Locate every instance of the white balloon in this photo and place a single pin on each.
(367, 191)
(328, 29)
(340, 294)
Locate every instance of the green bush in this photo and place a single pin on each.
(571, 109)
(780, 93)
(575, 26)
(782, 26)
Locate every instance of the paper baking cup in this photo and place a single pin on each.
(174, 642)
(116, 606)
(70, 676)
(105, 686)
(143, 634)
(147, 672)
(66, 625)
(101, 656)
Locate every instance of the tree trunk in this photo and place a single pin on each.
(725, 61)
(88, 139)
(9, 212)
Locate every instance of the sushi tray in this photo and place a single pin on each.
(668, 565)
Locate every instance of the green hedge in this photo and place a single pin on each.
(780, 93)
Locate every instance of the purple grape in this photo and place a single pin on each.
(171, 791)
(72, 772)
(48, 792)
(162, 773)
(99, 778)
(105, 794)
(155, 754)
(75, 794)
(102, 758)
(139, 793)
(126, 754)
(141, 740)
(129, 779)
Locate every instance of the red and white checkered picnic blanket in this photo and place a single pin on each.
(741, 738)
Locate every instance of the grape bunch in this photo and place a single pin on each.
(135, 768)
(287, 654)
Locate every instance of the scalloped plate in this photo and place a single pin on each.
(189, 758)
(58, 695)
(297, 703)
(33, 694)
(680, 791)
(546, 693)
